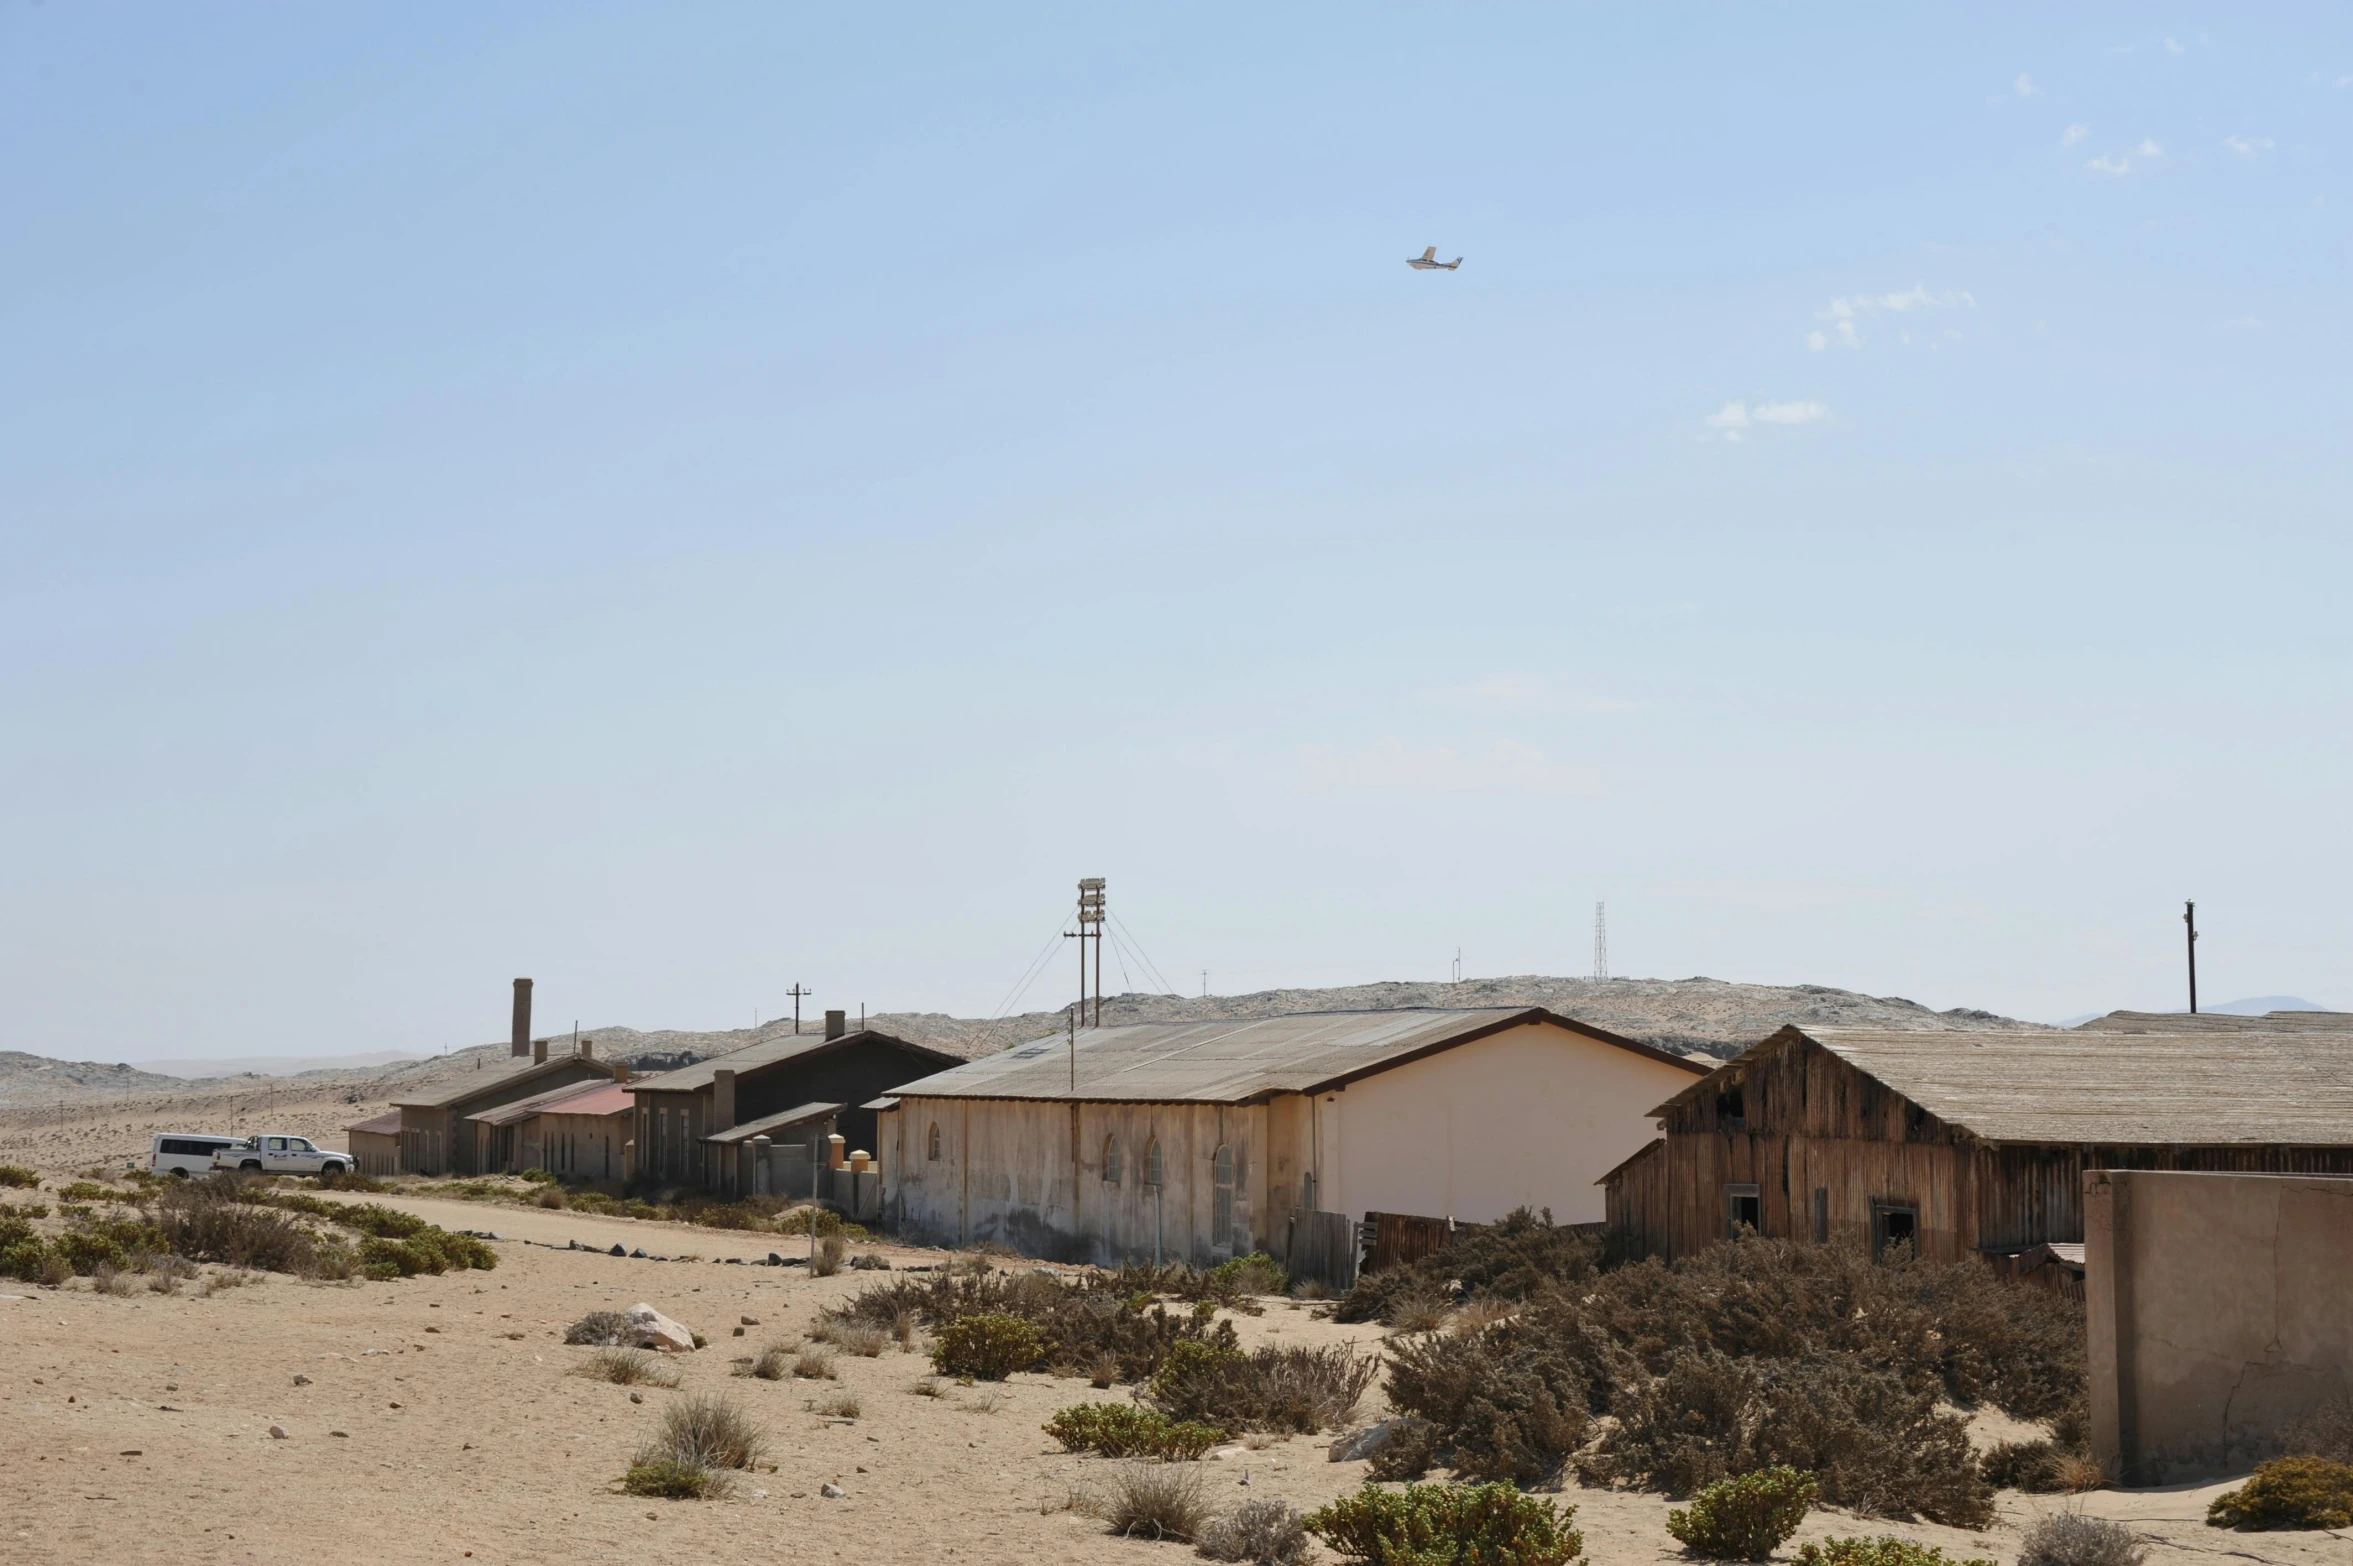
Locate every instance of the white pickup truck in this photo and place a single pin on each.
(280, 1155)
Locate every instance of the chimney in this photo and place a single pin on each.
(722, 1099)
(539, 1052)
(520, 1039)
(837, 1023)
(588, 1049)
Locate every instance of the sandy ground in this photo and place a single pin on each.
(441, 1422)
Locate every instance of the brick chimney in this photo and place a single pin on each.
(539, 1052)
(519, 1042)
(722, 1099)
(588, 1049)
(837, 1023)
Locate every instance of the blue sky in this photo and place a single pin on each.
(680, 501)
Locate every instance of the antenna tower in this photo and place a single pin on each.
(1601, 941)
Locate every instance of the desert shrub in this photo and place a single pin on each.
(813, 1363)
(1436, 1524)
(799, 1220)
(852, 1337)
(551, 1197)
(2072, 1539)
(2289, 1492)
(1266, 1533)
(1417, 1310)
(433, 1250)
(986, 1347)
(1502, 1404)
(373, 1218)
(2325, 1432)
(538, 1176)
(1876, 1445)
(1511, 1259)
(17, 1177)
(1124, 1430)
(670, 1479)
(601, 1326)
(710, 1430)
(204, 1220)
(91, 1243)
(89, 1191)
(1884, 1551)
(1299, 1389)
(827, 1260)
(869, 1262)
(1149, 1500)
(835, 1405)
(1079, 1322)
(350, 1180)
(1744, 1519)
(1256, 1273)
(627, 1367)
(2032, 1466)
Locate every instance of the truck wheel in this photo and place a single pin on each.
(179, 1173)
(251, 1166)
(330, 1169)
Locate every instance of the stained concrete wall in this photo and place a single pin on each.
(2220, 1309)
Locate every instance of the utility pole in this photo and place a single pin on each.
(1074, 1055)
(1091, 913)
(798, 994)
(2189, 916)
(1601, 941)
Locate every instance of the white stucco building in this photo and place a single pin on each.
(1200, 1141)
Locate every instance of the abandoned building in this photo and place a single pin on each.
(1201, 1141)
(581, 1131)
(374, 1144)
(1961, 1142)
(438, 1134)
(775, 1087)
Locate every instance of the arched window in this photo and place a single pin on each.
(1153, 1172)
(934, 1145)
(1113, 1164)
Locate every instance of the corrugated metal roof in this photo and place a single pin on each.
(2185, 1089)
(385, 1124)
(573, 1098)
(777, 1122)
(770, 1052)
(1232, 1062)
(473, 1084)
(2220, 1022)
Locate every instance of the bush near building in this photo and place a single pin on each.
(2289, 1492)
(1747, 1518)
(1444, 1524)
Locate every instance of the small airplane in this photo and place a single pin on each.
(1428, 261)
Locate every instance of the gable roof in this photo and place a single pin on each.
(473, 1084)
(780, 1121)
(1233, 1062)
(385, 1124)
(792, 1048)
(573, 1098)
(2178, 1089)
(2220, 1022)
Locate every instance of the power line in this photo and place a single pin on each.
(1145, 957)
(1030, 974)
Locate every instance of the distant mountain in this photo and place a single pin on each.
(2257, 1005)
(1697, 1016)
(271, 1065)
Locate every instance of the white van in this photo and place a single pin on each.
(185, 1153)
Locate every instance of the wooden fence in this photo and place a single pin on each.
(1390, 1239)
(1321, 1248)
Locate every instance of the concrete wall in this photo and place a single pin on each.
(2220, 1308)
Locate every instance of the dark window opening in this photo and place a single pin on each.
(1821, 1214)
(1731, 1107)
(1744, 1208)
(1892, 1225)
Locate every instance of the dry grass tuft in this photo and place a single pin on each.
(814, 1363)
(930, 1386)
(836, 1405)
(2071, 1539)
(1149, 1500)
(773, 1364)
(831, 1249)
(627, 1367)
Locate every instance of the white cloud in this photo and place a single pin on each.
(2149, 148)
(2025, 86)
(2107, 163)
(1505, 767)
(2073, 134)
(1736, 419)
(2171, 47)
(1843, 313)
(2249, 146)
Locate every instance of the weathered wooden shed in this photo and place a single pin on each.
(374, 1144)
(1200, 1141)
(678, 1112)
(1961, 1142)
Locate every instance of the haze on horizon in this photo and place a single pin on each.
(684, 503)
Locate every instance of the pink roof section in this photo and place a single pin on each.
(598, 1098)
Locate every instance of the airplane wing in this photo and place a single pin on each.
(1430, 254)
